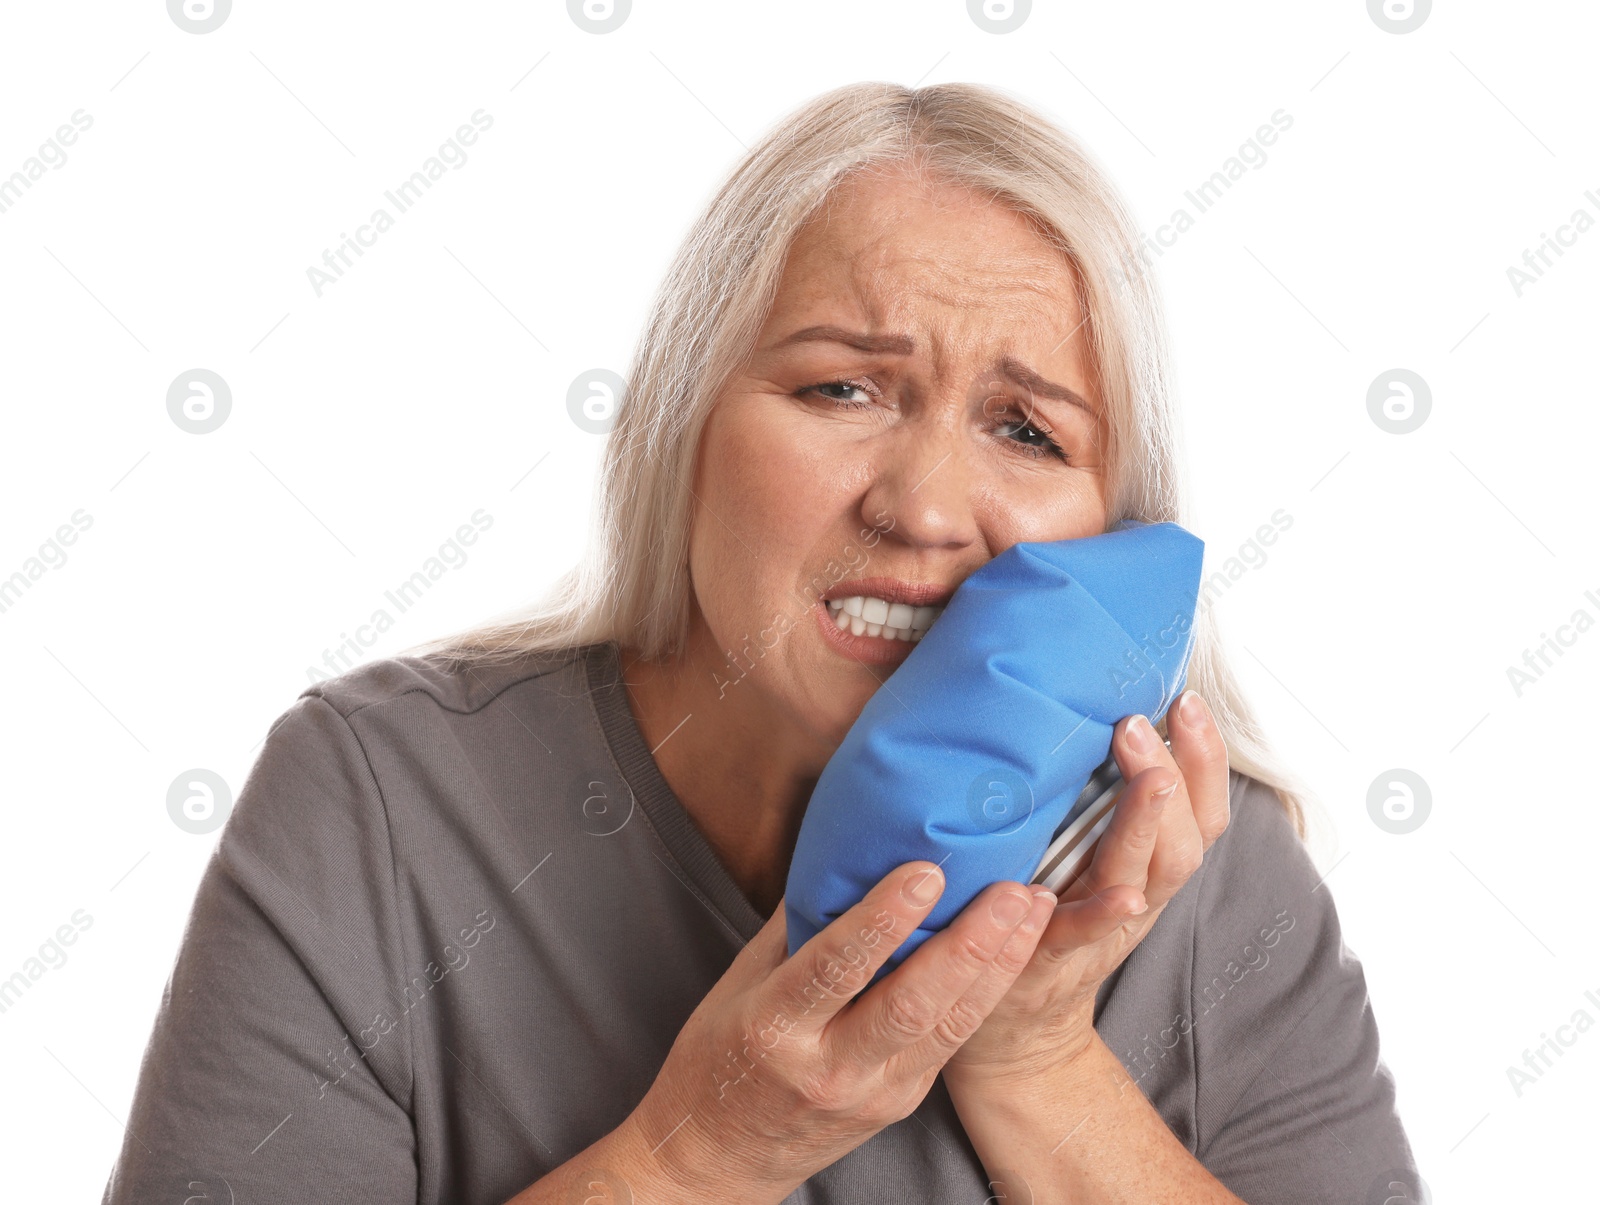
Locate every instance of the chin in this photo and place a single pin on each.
(815, 701)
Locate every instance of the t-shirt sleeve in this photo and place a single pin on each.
(279, 1067)
(1294, 1103)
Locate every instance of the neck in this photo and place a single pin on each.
(742, 770)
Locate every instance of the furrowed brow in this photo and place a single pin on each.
(900, 345)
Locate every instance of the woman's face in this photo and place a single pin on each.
(921, 398)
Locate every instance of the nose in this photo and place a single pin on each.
(922, 489)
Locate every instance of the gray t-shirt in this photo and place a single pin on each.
(457, 918)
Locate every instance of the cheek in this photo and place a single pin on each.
(770, 492)
(1064, 506)
(775, 481)
(775, 455)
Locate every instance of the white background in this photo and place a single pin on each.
(369, 423)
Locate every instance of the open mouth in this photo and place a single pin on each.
(877, 619)
(866, 615)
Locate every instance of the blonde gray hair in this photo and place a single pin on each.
(633, 584)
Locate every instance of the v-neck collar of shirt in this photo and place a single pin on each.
(661, 806)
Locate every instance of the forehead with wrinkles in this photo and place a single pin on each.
(890, 247)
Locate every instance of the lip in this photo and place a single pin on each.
(893, 589)
(867, 650)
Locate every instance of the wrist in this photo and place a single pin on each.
(616, 1169)
(1041, 1067)
(1022, 1122)
(669, 1168)
(651, 1171)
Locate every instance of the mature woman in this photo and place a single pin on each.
(501, 920)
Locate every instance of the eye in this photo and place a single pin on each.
(1036, 439)
(847, 387)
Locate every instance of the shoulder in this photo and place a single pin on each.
(1260, 896)
(1270, 960)
(1289, 1079)
(443, 682)
(332, 754)
(352, 752)
(1259, 850)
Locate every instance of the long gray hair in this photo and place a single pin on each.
(633, 585)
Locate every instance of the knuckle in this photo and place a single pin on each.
(1215, 825)
(906, 1015)
(905, 1106)
(1185, 860)
(956, 1026)
(1206, 739)
(969, 951)
(1051, 958)
(824, 1091)
(893, 1104)
(1011, 960)
(1158, 778)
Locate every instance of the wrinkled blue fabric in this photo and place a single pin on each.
(974, 749)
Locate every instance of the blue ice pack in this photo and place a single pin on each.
(974, 749)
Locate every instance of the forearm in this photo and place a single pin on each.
(625, 1168)
(1081, 1132)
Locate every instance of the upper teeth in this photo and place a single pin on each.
(865, 615)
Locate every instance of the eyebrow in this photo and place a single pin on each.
(903, 345)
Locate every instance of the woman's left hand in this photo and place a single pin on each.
(1175, 804)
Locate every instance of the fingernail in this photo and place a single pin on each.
(1141, 735)
(1144, 906)
(1045, 919)
(1159, 798)
(1009, 909)
(1191, 709)
(924, 887)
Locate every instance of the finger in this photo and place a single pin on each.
(1137, 746)
(1082, 921)
(1124, 851)
(1199, 750)
(1179, 847)
(835, 964)
(916, 1004)
(1015, 962)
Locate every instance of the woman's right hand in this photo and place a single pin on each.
(779, 1073)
